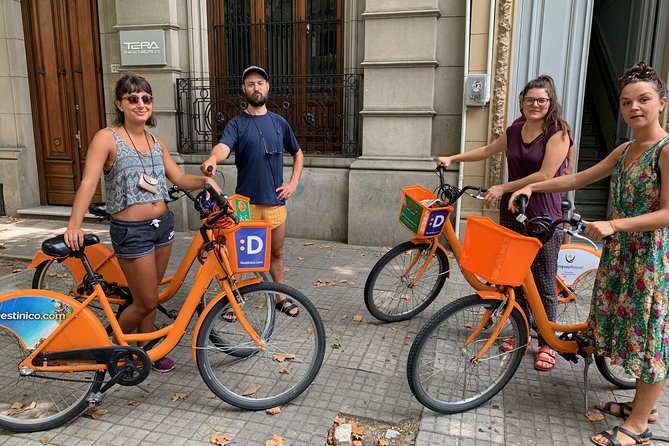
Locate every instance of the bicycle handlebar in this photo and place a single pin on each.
(543, 227)
(450, 194)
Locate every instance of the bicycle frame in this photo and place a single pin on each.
(452, 240)
(103, 261)
(81, 329)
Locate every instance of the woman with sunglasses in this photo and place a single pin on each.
(136, 165)
(629, 316)
(536, 149)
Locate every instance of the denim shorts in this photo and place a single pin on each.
(135, 239)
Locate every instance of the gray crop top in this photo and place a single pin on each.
(121, 180)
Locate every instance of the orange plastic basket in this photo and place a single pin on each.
(420, 213)
(495, 253)
(249, 245)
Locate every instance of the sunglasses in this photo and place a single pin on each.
(134, 100)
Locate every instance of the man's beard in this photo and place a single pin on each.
(256, 102)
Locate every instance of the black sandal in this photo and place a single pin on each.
(624, 410)
(612, 438)
(286, 309)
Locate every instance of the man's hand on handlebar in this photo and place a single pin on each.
(208, 167)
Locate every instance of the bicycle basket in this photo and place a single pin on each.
(421, 212)
(249, 245)
(495, 253)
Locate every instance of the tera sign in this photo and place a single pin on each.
(143, 47)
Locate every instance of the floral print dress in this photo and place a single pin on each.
(629, 316)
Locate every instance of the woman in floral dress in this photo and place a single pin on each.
(629, 316)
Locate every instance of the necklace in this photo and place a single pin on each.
(153, 169)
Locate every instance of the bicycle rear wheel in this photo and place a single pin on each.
(440, 371)
(36, 403)
(389, 296)
(244, 375)
(55, 276)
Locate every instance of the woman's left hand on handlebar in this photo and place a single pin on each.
(513, 206)
(493, 195)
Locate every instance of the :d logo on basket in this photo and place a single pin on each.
(251, 246)
(436, 222)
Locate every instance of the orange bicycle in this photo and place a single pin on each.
(56, 351)
(409, 277)
(457, 361)
(66, 274)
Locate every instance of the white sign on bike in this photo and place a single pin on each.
(572, 263)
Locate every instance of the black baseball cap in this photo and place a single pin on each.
(254, 69)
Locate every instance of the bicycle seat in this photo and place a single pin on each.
(56, 247)
(99, 210)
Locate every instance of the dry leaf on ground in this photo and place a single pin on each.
(594, 415)
(179, 396)
(308, 243)
(300, 258)
(95, 412)
(44, 439)
(382, 442)
(133, 403)
(220, 439)
(339, 420)
(284, 357)
(357, 318)
(273, 410)
(250, 391)
(275, 441)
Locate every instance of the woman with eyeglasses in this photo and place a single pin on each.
(629, 316)
(536, 149)
(136, 165)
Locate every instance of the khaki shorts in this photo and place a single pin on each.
(273, 214)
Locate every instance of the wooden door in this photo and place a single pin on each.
(299, 42)
(66, 82)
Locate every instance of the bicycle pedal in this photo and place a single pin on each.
(96, 399)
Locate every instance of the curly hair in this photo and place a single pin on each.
(554, 115)
(641, 72)
(130, 83)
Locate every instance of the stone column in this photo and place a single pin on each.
(18, 165)
(399, 88)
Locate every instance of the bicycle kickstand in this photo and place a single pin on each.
(588, 361)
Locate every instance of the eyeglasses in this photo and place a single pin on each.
(274, 150)
(134, 100)
(540, 101)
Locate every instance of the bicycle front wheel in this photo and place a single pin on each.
(389, 293)
(575, 310)
(41, 401)
(440, 370)
(250, 377)
(614, 374)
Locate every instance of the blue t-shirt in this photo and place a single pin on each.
(259, 142)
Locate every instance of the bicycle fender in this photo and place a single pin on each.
(494, 295)
(200, 320)
(101, 258)
(34, 315)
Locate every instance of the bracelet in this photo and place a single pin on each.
(612, 227)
